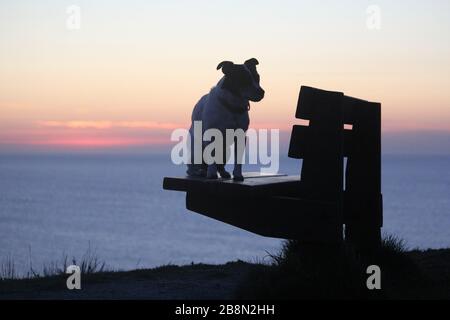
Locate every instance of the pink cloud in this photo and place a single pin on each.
(104, 124)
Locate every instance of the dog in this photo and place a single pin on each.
(225, 107)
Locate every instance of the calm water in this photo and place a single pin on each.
(52, 205)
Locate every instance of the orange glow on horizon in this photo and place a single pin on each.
(89, 134)
(97, 142)
(105, 124)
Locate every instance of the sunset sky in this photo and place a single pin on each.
(135, 69)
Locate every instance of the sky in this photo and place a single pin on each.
(133, 70)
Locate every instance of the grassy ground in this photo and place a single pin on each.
(197, 281)
(296, 272)
(305, 272)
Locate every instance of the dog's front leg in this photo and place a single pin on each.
(221, 167)
(237, 172)
(212, 171)
(238, 156)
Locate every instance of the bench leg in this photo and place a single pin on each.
(363, 237)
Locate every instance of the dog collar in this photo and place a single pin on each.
(234, 109)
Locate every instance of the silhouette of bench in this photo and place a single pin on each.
(315, 206)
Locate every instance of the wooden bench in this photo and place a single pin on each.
(315, 206)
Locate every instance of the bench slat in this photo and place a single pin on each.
(298, 146)
(316, 103)
(278, 217)
(251, 186)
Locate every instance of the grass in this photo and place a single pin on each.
(296, 272)
(339, 272)
(193, 281)
(8, 269)
(89, 263)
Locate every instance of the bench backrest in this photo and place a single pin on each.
(324, 143)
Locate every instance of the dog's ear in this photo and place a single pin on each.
(225, 66)
(251, 62)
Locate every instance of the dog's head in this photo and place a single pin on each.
(242, 79)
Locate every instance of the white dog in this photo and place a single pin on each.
(226, 107)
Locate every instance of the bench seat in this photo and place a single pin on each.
(255, 184)
(268, 205)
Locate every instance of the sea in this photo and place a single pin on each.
(112, 206)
